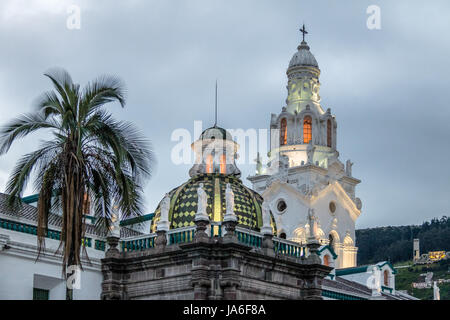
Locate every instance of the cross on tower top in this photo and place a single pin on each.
(303, 30)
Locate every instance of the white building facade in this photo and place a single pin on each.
(305, 171)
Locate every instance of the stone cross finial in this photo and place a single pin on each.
(374, 282)
(436, 292)
(258, 164)
(312, 221)
(229, 196)
(202, 203)
(267, 228)
(348, 168)
(303, 30)
(310, 152)
(229, 199)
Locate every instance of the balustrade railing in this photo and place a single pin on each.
(182, 235)
(289, 248)
(216, 229)
(139, 243)
(185, 235)
(50, 234)
(249, 237)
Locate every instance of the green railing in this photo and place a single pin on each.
(100, 245)
(216, 229)
(50, 234)
(339, 296)
(249, 239)
(139, 244)
(185, 235)
(181, 236)
(288, 248)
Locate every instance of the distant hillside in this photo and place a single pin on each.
(407, 275)
(396, 243)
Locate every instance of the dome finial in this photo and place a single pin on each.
(215, 121)
(303, 30)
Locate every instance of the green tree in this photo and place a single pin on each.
(90, 155)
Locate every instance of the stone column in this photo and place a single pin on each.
(311, 288)
(315, 271)
(200, 280)
(161, 238)
(201, 226)
(230, 282)
(113, 251)
(230, 228)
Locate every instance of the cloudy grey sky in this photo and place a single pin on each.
(388, 88)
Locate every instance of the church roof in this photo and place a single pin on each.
(183, 203)
(364, 269)
(303, 57)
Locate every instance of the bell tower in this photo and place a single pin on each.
(304, 170)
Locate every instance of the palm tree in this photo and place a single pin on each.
(90, 155)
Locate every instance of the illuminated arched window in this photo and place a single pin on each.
(329, 137)
(326, 260)
(386, 278)
(307, 130)
(209, 164)
(223, 164)
(283, 132)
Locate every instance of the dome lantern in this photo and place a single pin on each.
(215, 152)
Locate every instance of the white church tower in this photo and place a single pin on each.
(305, 171)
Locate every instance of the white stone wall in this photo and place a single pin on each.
(21, 272)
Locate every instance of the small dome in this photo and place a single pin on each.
(216, 133)
(183, 202)
(303, 57)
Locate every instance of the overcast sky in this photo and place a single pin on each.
(388, 88)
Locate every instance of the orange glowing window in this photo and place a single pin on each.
(223, 164)
(209, 164)
(386, 278)
(329, 138)
(326, 260)
(283, 132)
(307, 130)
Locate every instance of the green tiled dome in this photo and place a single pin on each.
(183, 202)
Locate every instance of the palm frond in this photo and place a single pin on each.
(22, 126)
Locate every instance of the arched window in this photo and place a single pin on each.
(326, 260)
(307, 129)
(329, 137)
(386, 278)
(283, 132)
(223, 164)
(209, 164)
